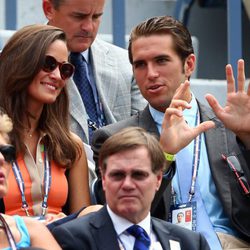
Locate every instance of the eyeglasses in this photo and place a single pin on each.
(8, 152)
(236, 168)
(66, 68)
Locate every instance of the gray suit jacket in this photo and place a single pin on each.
(218, 140)
(117, 90)
(95, 231)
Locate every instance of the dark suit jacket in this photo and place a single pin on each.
(95, 231)
(218, 140)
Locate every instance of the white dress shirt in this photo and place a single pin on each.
(126, 241)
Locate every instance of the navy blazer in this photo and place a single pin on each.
(95, 231)
(219, 140)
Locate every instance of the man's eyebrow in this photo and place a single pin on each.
(162, 56)
(154, 58)
(81, 13)
(98, 14)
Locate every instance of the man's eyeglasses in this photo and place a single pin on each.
(66, 68)
(234, 165)
(8, 152)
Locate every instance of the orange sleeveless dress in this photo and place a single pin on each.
(32, 174)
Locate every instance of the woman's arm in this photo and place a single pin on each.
(40, 236)
(78, 180)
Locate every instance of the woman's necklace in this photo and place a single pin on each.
(30, 133)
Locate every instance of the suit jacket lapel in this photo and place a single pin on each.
(163, 234)
(146, 121)
(107, 89)
(216, 144)
(103, 230)
(76, 107)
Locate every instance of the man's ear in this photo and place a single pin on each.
(158, 180)
(48, 9)
(189, 65)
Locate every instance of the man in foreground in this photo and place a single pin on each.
(132, 163)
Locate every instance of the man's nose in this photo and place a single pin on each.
(128, 181)
(152, 71)
(87, 24)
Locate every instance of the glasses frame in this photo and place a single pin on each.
(50, 64)
(9, 152)
(235, 166)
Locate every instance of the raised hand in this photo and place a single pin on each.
(176, 133)
(236, 113)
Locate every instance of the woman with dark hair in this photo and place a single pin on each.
(51, 167)
(17, 232)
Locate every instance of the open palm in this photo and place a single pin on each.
(236, 113)
(176, 133)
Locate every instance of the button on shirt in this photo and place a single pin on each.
(125, 240)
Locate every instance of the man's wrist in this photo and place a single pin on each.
(169, 157)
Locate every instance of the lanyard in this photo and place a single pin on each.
(121, 245)
(196, 158)
(47, 184)
(195, 163)
(5, 226)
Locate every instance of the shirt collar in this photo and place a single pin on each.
(85, 54)
(190, 114)
(157, 115)
(121, 224)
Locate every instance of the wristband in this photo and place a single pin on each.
(169, 157)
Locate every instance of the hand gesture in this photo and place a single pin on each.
(176, 133)
(236, 113)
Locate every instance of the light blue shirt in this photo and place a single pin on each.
(218, 219)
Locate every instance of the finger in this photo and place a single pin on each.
(180, 103)
(213, 103)
(182, 91)
(203, 127)
(167, 116)
(241, 75)
(173, 111)
(230, 79)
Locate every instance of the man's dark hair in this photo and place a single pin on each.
(163, 25)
